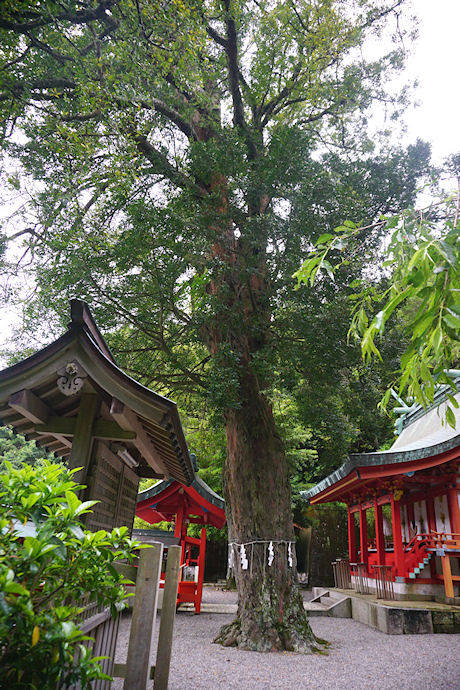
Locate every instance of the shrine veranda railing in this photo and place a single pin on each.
(416, 551)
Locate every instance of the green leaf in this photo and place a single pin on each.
(452, 319)
(392, 222)
(84, 507)
(72, 501)
(450, 417)
(324, 239)
(14, 588)
(454, 402)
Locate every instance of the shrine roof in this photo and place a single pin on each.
(161, 501)
(198, 484)
(40, 397)
(427, 442)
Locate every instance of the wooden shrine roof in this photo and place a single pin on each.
(161, 501)
(427, 443)
(40, 397)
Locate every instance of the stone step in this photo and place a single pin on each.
(329, 603)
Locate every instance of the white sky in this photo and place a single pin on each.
(433, 62)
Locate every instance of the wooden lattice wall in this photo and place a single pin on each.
(115, 486)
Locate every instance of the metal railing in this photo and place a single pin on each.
(383, 581)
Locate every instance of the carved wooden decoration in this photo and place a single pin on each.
(71, 379)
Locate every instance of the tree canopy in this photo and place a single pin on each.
(421, 255)
(181, 158)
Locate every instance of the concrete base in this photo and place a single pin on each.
(396, 617)
(329, 602)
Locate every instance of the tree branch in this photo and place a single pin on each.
(38, 21)
(46, 49)
(163, 166)
(233, 68)
(268, 109)
(19, 89)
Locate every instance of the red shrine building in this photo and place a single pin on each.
(413, 492)
(171, 501)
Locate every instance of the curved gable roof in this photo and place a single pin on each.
(148, 424)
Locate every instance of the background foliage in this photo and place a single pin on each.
(49, 568)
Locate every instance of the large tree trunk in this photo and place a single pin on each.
(270, 616)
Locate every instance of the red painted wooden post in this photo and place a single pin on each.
(179, 529)
(352, 537)
(201, 559)
(454, 510)
(447, 575)
(397, 537)
(431, 516)
(379, 536)
(179, 518)
(363, 535)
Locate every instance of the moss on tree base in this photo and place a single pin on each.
(294, 636)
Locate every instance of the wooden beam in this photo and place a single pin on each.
(398, 545)
(104, 430)
(148, 473)
(363, 535)
(353, 554)
(168, 613)
(128, 420)
(119, 671)
(80, 454)
(447, 575)
(30, 406)
(454, 509)
(110, 431)
(143, 621)
(379, 535)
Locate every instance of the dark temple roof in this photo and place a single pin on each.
(160, 502)
(143, 425)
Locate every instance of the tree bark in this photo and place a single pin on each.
(270, 615)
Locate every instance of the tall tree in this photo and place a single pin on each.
(170, 141)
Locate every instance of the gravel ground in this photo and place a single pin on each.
(359, 657)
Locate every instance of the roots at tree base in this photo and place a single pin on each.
(294, 636)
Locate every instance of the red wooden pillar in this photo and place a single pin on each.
(430, 514)
(179, 527)
(179, 517)
(379, 536)
(431, 517)
(410, 518)
(454, 510)
(352, 537)
(201, 561)
(363, 535)
(397, 537)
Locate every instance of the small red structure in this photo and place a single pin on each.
(170, 501)
(418, 550)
